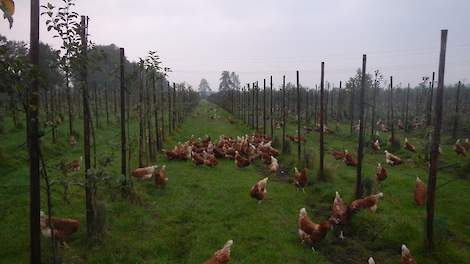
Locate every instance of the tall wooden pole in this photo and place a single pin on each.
(321, 175)
(271, 107)
(253, 106)
(155, 110)
(360, 149)
(141, 115)
(407, 126)
(123, 114)
(435, 145)
(353, 88)
(298, 118)
(392, 119)
(456, 117)
(169, 108)
(174, 107)
(86, 128)
(374, 106)
(264, 107)
(430, 100)
(257, 106)
(284, 114)
(33, 139)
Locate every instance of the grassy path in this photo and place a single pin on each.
(201, 208)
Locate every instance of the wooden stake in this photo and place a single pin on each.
(123, 114)
(298, 119)
(321, 174)
(264, 107)
(284, 147)
(360, 149)
(33, 139)
(271, 107)
(86, 129)
(431, 190)
(456, 117)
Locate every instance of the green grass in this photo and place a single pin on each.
(201, 208)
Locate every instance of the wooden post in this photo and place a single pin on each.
(284, 114)
(306, 107)
(169, 108)
(298, 119)
(114, 102)
(86, 128)
(141, 115)
(106, 103)
(339, 104)
(271, 107)
(321, 174)
(392, 120)
(435, 145)
(264, 107)
(123, 114)
(315, 108)
(256, 106)
(155, 110)
(174, 107)
(407, 126)
(162, 109)
(360, 149)
(95, 95)
(253, 106)
(351, 114)
(429, 112)
(34, 141)
(456, 117)
(374, 106)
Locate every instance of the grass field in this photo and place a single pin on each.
(201, 208)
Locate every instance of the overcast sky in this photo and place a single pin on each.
(259, 38)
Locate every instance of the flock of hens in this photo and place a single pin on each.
(244, 151)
